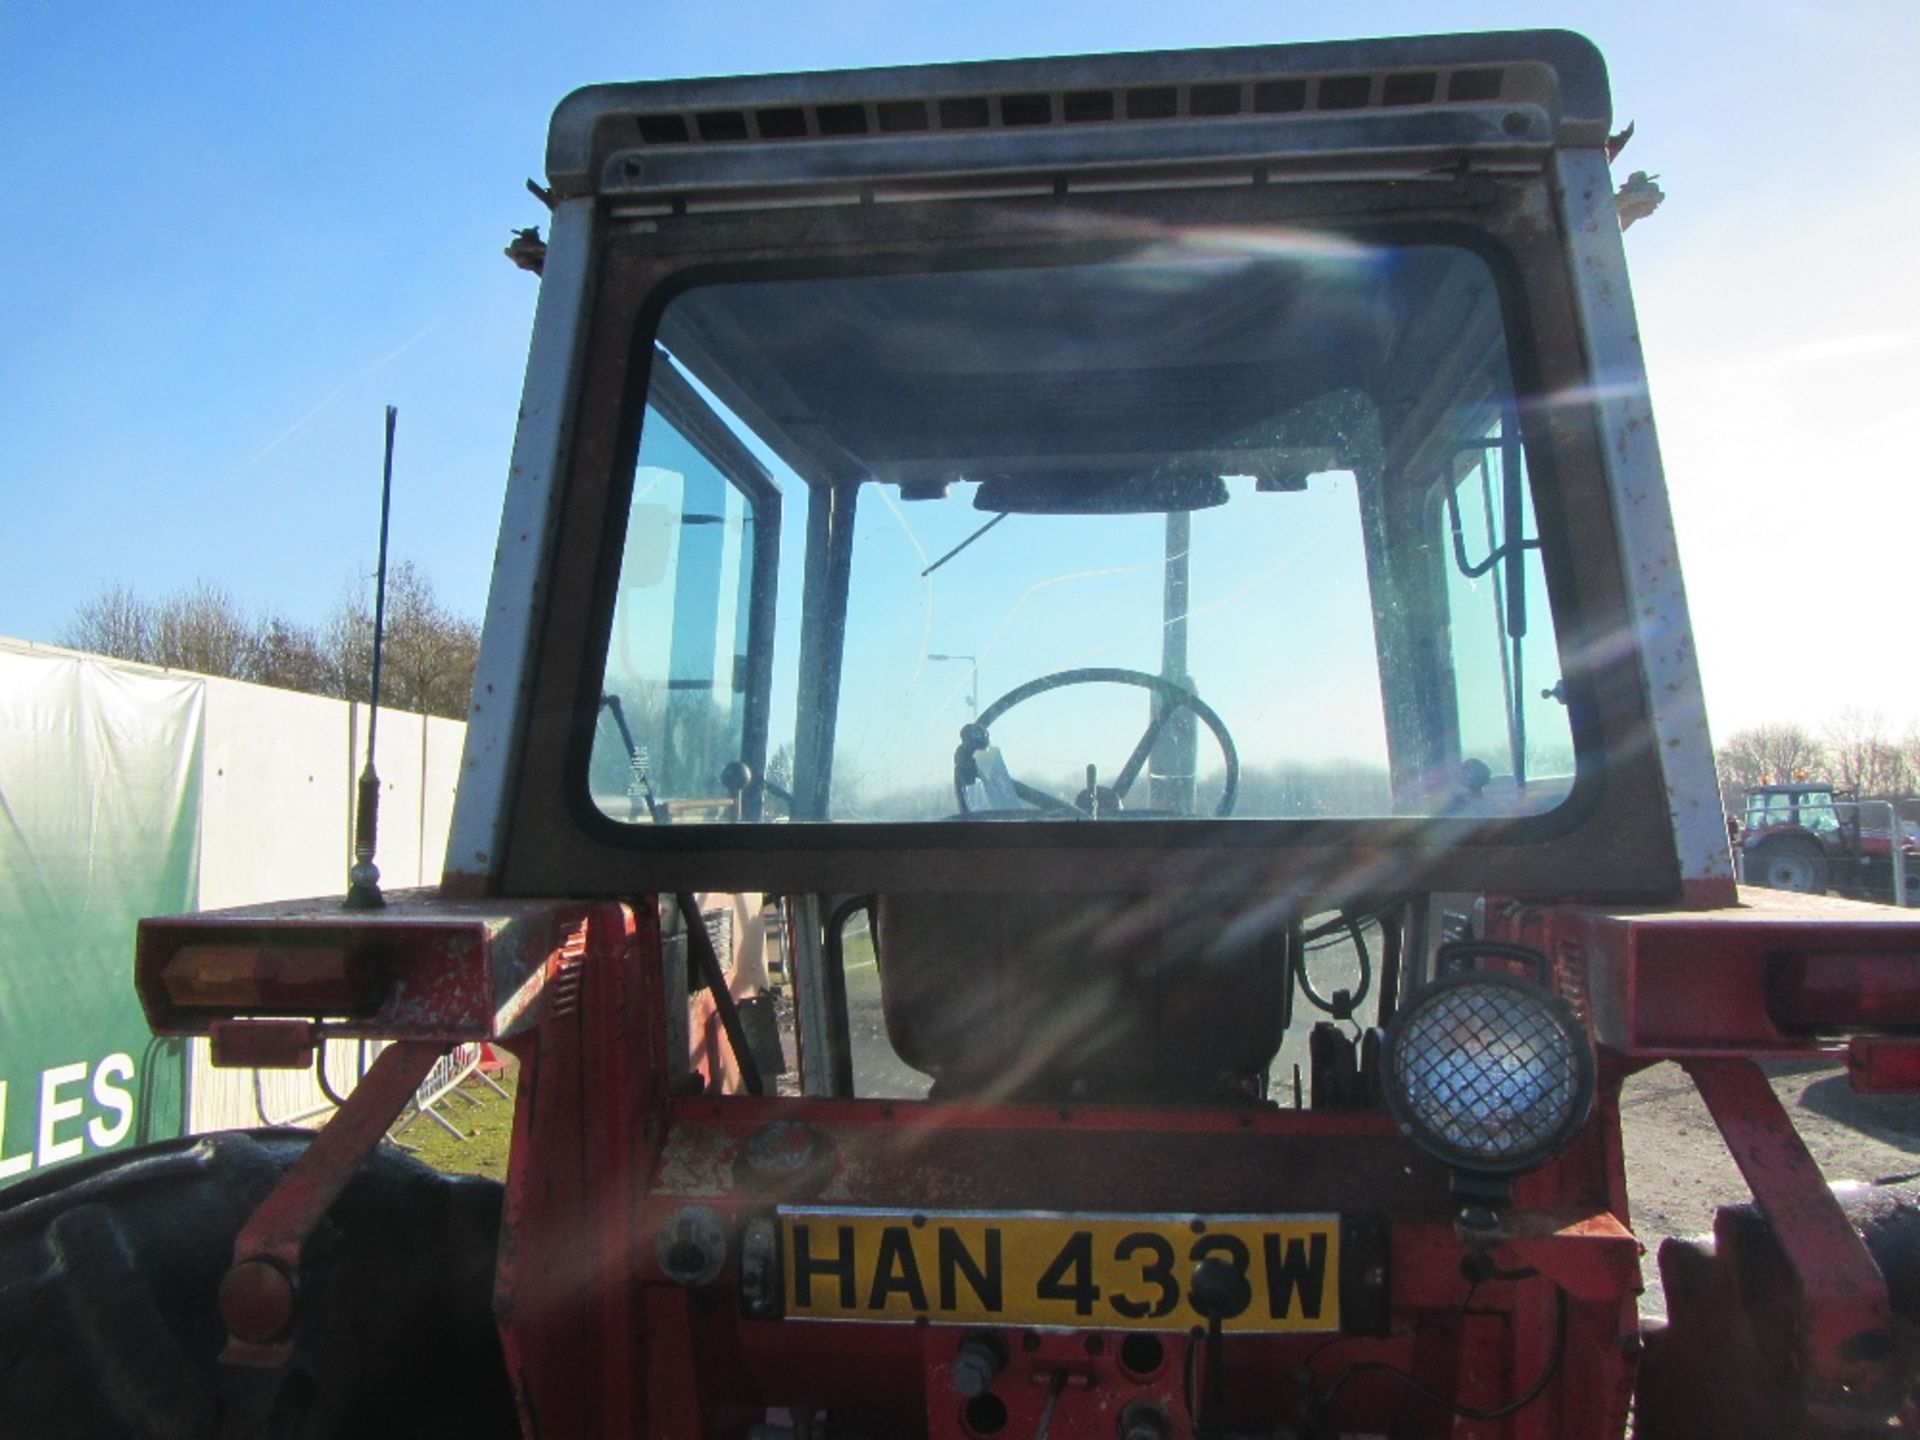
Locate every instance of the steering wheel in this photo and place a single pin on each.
(975, 738)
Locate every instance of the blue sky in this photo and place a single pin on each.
(238, 231)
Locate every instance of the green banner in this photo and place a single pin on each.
(99, 826)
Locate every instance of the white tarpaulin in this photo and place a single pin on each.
(127, 791)
(100, 787)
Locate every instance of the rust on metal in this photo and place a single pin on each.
(1033, 1157)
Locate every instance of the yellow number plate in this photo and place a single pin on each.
(1125, 1272)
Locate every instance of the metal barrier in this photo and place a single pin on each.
(1896, 842)
(449, 1073)
(444, 1080)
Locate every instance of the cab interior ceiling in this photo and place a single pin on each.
(1055, 386)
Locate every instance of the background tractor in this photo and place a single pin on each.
(1805, 836)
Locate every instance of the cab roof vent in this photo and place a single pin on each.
(1205, 100)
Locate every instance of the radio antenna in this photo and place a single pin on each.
(363, 878)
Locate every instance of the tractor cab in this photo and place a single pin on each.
(1188, 484)
(1806, 804)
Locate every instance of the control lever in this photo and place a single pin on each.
(1219, 1293)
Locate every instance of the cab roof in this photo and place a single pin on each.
(1429, 96)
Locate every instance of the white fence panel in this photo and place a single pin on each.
(282, 773)
(275, 817)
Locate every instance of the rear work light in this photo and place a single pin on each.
(1492, 1074)
(235, 978)
(1844, 992)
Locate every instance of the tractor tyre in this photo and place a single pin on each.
(109, 1326)
(1788, 862)
(1724, 1365)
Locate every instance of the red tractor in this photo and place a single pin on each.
(1802, 836)
(1270, 427)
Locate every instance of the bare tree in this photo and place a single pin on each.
(434, 651)
(288, 655)
(1865, 760)
(346, 640)
(199, 628)
(202, 629)
(115, 622)
(427, 657)
(1766, 752)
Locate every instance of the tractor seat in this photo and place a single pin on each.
(1125, 999)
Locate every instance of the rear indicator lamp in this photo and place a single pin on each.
(256, 1044)
(1844, 992)
(273, 979)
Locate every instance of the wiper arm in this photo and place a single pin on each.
(964, 543)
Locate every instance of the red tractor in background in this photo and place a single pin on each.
(1807, 837)
(1272, 423)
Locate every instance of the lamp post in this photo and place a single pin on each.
(973, 680)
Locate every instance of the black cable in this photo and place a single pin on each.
(1352, 924)
(1055, 1387)
(174, 1049)
(1320, 932)
(320, 1073)
(1392, 960)
(1421, 1327)
(1332, 944)
(1469, 1412)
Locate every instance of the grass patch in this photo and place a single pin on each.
(485, 1123)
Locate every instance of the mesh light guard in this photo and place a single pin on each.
(1490, 1073)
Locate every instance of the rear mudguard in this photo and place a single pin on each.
(1725, 1366)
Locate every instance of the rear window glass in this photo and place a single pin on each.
(1237, 531)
